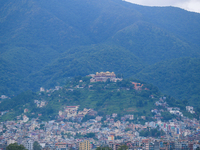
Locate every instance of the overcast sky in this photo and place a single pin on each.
(190, 5)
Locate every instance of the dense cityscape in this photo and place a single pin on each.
(55, 134)
(99, 75)
(86, 129)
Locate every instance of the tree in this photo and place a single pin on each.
(15, 146)
(139, 103)
(185, 102)
(90, 135)
(167, 116)
(42, 126)
(152, 132)
(123, 147)
(103, 148)
(36, 146)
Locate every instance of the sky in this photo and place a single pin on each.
(190, 5)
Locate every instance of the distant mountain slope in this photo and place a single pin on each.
(181, 23)
(17, 62)
(179, 78)
(89, 59)
(96, 19)
(7, 74)
(35, 35)
(28, 22)
(68, 23)
(152, 44)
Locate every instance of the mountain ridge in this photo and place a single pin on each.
(35, 35)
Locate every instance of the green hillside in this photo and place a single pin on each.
(42, 43)
(179, 78)
(17, 62)
(152, 44)
(104, 97)
(29, 22)
(88, 59)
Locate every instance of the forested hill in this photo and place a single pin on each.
(126, 97)
(42, 43)
(179, 78)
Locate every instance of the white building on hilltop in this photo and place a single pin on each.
(42, 89)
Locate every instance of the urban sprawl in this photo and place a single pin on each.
(69, 131)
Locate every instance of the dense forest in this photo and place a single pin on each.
(178, 78)
(45, 43)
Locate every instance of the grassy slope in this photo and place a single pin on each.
(106, 98)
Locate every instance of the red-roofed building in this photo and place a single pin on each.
(61, 146)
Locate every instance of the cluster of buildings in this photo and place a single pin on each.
(70, 132)
(137, 86)
(3, 97)
(104, 76)
(4, 112)
(42, 89)
(172, 110)
(175, 111)
(190, 109)
(62, 135)
(40, 104)
(71, 112)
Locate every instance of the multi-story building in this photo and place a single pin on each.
(11, 141)
(145, 143)
(112, 145)
(61, 146)
(104, 76)
(85, 145)
(29, 144)
(171, 145)
(151, 146)
(156, 145)
(3, 147)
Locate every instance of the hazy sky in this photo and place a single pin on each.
(190, 5)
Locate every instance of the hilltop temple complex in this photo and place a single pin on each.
(104, 76)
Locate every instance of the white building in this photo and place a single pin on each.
(25, 118)
(190, 109)
(10, 141)
(29, 145)
(3, 97)
(42, 89)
